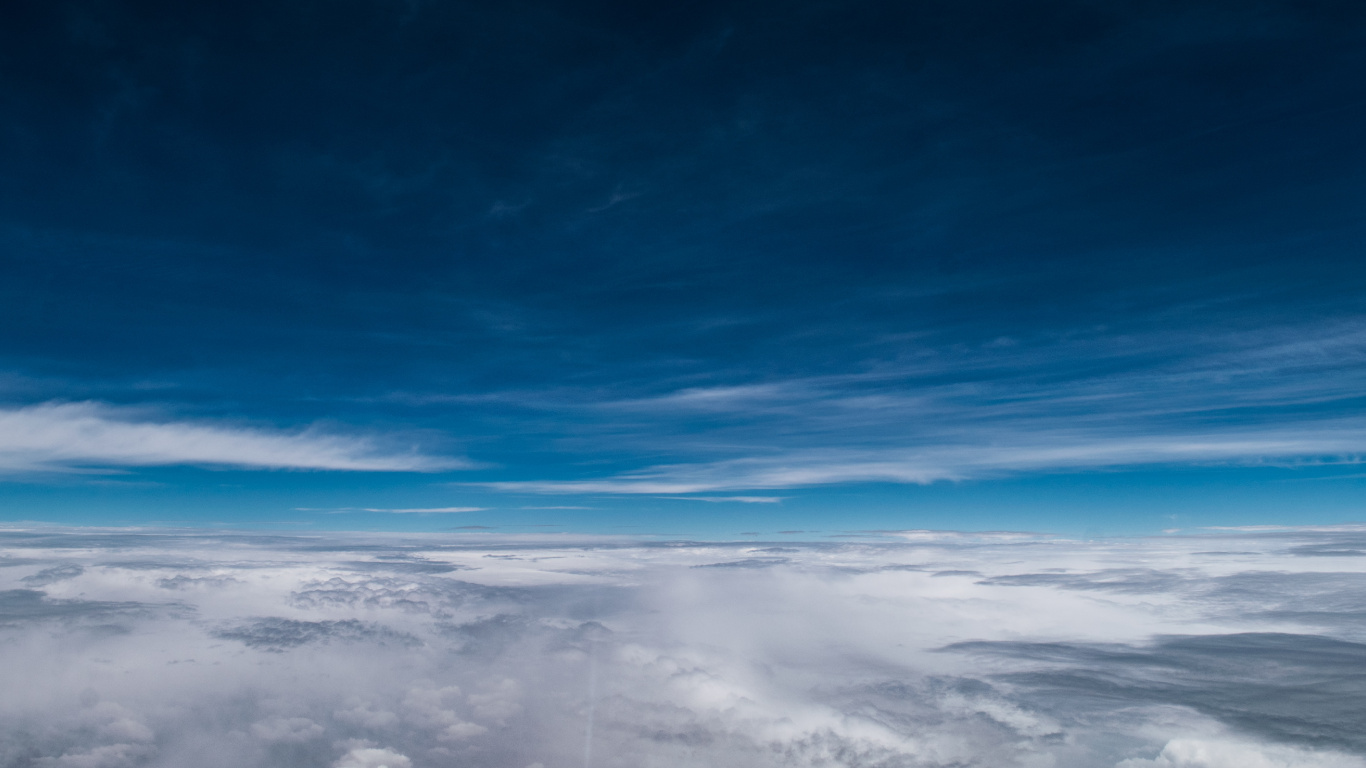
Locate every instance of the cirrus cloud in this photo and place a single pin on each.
(79, 436)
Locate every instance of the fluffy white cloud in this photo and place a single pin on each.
(57, 436)
(369, 757)
(427, 708)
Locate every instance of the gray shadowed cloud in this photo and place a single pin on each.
(25, 606)
(276, 634)
(53, 575)
(749, 562)
(1300, 688)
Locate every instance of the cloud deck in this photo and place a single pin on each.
(163, 648)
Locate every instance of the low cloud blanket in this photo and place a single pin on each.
(162, 648)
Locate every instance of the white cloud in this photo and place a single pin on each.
(119, 723)
(1047, 452)
(736, 499)
(371, 757)
(67, 436)
(427, 708)
(1065, 402)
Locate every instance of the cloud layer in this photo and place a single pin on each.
(920, 648)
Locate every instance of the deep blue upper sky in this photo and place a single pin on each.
(616, 255)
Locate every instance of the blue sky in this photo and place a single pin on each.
(703, 269)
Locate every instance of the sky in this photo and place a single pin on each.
(168, 647)
(714, 269)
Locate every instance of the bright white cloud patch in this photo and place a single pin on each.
(57, 436)
(1236, 649)
(368, 757)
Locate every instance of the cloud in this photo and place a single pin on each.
(395, 511)
(1291, 687)
(1232, 753)
(736, 499)
(107, 756)
(275, 634)
(369, 757)
(31, 605)
(1045, 452)
(749, 562)
(426, 510)
(287, 729)
(922, 648)
(1076, 401)
(75, 436)
(53, 575)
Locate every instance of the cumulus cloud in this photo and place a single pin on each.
(923, 649)
(67, 436)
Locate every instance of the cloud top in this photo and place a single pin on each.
(927, 649)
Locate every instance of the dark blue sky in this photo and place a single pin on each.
(872, 263)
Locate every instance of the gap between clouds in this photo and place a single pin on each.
(86, 436)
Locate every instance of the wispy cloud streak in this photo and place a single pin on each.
(1067, 452)
(950, 413)
(73, 436)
